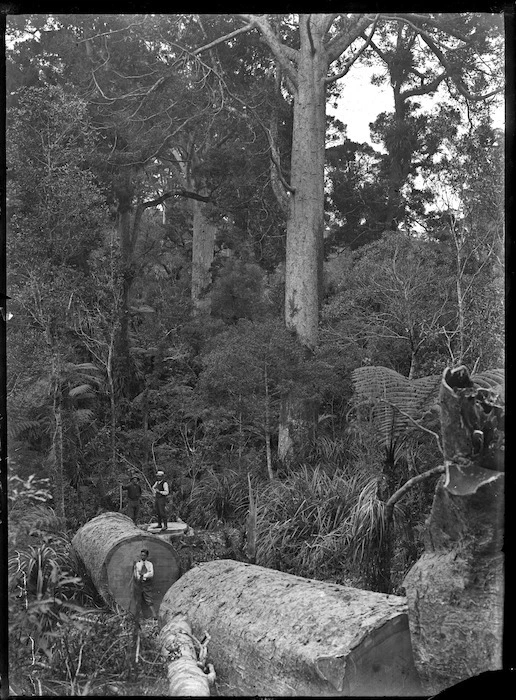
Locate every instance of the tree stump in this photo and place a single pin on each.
(455, 590)
(277, 634)
(109, 545)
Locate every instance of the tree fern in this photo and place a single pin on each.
(396, 402)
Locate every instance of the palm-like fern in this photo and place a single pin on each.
(396, 407)
(396, 403)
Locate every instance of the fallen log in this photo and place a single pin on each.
(186, 676)
(455, 589)
(109, 545)
(277, 634)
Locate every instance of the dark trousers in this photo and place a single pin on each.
(161, 511)
(133, 508)
(143, 592)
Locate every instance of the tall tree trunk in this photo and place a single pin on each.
(124, 370)
(268, 452)
(112, 406)
(304, 254)
(203, 249)
(305, 223)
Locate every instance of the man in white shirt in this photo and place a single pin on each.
(143, 575)
(161, 492)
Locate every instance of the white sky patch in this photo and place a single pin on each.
(361, 102)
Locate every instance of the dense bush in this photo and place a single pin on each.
(303, 522)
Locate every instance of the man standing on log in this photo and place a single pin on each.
(161, 492)
(134, 492)
(143, 574)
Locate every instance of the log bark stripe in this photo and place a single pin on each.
(277, 634)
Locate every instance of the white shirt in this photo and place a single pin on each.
(164, 491)
(138, 567)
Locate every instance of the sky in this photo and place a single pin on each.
(362, 102)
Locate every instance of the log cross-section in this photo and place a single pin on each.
(273, 633)
(108, 546)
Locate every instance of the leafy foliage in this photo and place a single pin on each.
(302, 522)
(395, 401)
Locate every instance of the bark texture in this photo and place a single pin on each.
(109, 545)
(277, 634)
(297, 427)
(304, 248)
(304, 254)
(185, 677)
(203, 248)
(455, 590)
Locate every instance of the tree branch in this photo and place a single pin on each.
(377, 50)
(325, 21)
(432, 23)
(412, 482)
(355, 56)
(412, 420)
(424, 89)
(446, 64)
(283, 54)
(113, 31)
(175, 193)
(343, 39)
(222, 39)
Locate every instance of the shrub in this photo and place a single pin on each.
(219, 497)
(303, 522)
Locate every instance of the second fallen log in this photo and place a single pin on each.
(109, 545)
(277, 634)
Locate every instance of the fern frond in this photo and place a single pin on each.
(491, 379)
(84, 415)
(391, 395)
(18, 427)
(83, 391)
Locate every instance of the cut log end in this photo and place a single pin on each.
(109, 545)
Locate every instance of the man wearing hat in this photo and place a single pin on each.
(161, 492)
(134, 492)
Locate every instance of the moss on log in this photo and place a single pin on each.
(109, 545)
(277, 634)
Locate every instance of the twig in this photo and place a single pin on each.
(412, 482)
(412, 420)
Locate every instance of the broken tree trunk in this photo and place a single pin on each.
(186, 677)
(109, 545)
(455, 590)
(277, 634)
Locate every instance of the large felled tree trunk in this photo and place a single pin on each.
(109, 545)
(304, 254)
(277, 634)
(455, 590)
